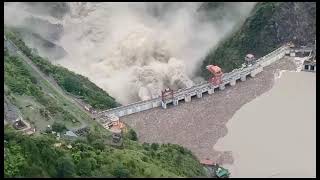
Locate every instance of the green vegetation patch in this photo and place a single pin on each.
(29, 95)
(69, 81)
(37, 156)
(257, 36)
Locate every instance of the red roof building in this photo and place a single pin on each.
(207, 162)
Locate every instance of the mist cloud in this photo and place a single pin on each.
(134, 50)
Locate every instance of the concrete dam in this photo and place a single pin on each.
(228, 79)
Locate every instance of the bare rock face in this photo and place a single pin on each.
(10, 111)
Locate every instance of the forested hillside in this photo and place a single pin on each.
(270, 25)
(73, 83)
(43, 156)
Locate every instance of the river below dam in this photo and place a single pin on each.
(275, 134)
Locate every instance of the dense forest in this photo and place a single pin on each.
(43, 156)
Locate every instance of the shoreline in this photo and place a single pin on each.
(200, 124)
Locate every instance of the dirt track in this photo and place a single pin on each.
(199, 124)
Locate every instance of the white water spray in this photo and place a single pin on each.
(133, 54)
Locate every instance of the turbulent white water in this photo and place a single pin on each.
(133, 54)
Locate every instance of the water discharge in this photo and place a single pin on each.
(135, 50)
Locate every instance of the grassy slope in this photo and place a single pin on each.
(18, 75)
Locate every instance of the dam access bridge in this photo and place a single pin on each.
(198, 90)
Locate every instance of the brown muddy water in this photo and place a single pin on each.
(275, 134)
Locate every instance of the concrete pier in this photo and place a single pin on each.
(199, 94)
(243, 78)
(233, 82)
(222, 87)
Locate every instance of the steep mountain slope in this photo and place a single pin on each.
(269, 26)
(28, 93)
(74, 84)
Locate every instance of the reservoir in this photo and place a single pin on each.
(275, 134)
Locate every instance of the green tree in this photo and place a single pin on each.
(132, 135)
(154, 146)
(14, 162)
(65, 167)
(84, 167)
(121, 172)
(98, 144)
(33, 170)
(58, 127)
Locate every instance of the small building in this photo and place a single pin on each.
(90, 109)
(207, 162)
(19, 124)
(167, 94)
(249, 59)
(309, 65)
(222, 172)
(214, 169)
(82, 131)
(116, 137)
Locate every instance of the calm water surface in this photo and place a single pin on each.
(275, 134)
